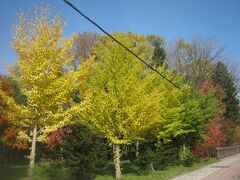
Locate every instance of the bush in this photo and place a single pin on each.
(157, 157)
(83, 155)
(54, 170)
(186, 156)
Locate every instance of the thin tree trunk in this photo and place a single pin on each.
(152, 168)
(61, 153)
(117, 161)
(15, 154)
(33, 149)
(208, 153)
(137, 149)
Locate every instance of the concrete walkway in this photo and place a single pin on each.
(226, 169)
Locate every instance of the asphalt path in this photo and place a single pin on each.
(225, 169)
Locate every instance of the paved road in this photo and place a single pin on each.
(226, 169)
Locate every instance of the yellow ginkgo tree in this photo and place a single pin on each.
(45, 74)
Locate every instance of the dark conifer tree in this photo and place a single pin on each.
(222, 77)
(159, 53)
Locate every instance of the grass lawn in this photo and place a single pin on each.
(167, 173)
(131, 172)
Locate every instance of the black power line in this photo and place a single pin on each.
(121, 44)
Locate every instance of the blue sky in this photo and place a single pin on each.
(170, 19)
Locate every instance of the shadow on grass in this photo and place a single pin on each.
(51, 171)
(127, 168)
(13, 172)
(44, 171)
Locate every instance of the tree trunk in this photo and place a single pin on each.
(137, 149)
(208, 154)
(117, 161)
(33, 149)
(152, 168)
(15, 154)
(61, 153)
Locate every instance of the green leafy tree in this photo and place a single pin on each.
(189, 114)
(186, 156)
(127, 98)
(199, 111)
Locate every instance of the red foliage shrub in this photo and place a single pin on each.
(57, 137)
(214, 137)
(207, 86)
(215, 132)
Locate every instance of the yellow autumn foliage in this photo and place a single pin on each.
(45, 73)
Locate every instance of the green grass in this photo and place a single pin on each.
(20, 172)
(167, 173)
(130, 172)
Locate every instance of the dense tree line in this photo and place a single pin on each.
(84, 100)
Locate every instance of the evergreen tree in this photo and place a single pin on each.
(76, 151)
(159, 53)
(223, 78)
(85, 153)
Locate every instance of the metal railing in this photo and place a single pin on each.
(222, 152)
